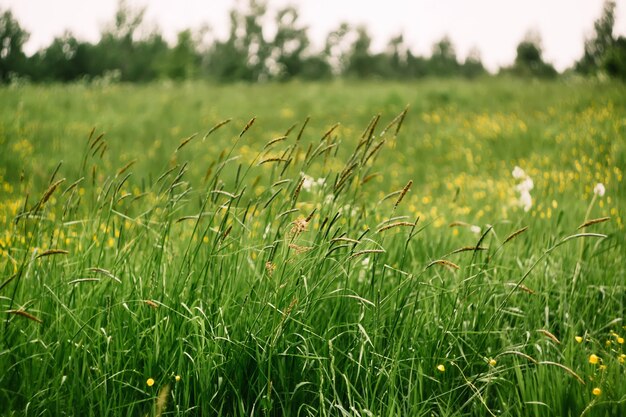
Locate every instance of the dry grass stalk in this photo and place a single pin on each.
(151, 303)
(370, 177)
(330, 131)
(345, 239)
(467, 249)
(247, 126)
(275, 140)
(270, 267)
(49, 192)
(405, 190)
(161, 401)
(299, 226)
(522, 287)
(185, 141)
(96, 140)
(299, 249)
(459, 224)
(443, 262)
(23, 313)
(268, 160)
(217, 126)
(515, 234)
(365, 252)
(51, 252)
(396, 224)
(73, 185)
(296, 192)
(594, 221)
(549, 336)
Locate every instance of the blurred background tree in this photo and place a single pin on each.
(529, 59)
(265, 44)
(12, 40)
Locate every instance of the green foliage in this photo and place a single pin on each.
(12, 39)
(286, 266)
(529, 60)
(267, 44)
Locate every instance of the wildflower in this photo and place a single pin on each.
(309, 183)
(475, 229)
(602, 367)
(441, 368)
(599, 189)
(150, 382)
(518, 173)
(622, 358)
(177, 378)
(620, 340)
(492, 362)
(594, 359)
(596, 391)
(525, 200)
(578, 339)
(525, 185)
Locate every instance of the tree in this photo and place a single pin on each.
(12, 40)
(183, 60)
(529, 59)
(599, 45)
(360, 62)
(443, 60)
(615, 59)
(473, 65)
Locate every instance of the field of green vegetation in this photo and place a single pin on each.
(437, 248)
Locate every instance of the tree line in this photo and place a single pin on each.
(251, 54)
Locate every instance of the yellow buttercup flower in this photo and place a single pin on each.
(492, 362)
(596, 391)
(150, 382)
(579, 339)
(594, 359)
(177, 378)
(441, 368)
(620, 340)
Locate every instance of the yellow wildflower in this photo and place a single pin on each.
(150, 382)
(596, 391)
(441, 368)
(594, 359)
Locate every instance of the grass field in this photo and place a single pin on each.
(191, 249)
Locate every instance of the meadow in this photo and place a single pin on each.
(435, 248)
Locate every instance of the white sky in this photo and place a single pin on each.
(495, 27)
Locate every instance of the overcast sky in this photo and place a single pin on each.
(495, 27)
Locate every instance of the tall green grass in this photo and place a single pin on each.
(182, 260)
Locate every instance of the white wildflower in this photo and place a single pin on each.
(518, 173)
(308, 182)
(475, 229)
(525, 200)
(599, 189)
(525, 185)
